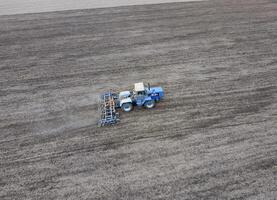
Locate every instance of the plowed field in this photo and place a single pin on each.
(213, 136)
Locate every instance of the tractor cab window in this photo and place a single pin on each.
(141, 93)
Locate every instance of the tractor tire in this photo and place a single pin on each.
(127, 107)
(149, 104)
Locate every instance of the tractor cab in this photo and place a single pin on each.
(139, 94)
(139, 89)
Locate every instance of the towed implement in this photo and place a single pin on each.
(141, 96)
(108, 112)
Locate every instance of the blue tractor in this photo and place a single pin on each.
(141, 96)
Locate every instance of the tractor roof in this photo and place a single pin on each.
(139, 87)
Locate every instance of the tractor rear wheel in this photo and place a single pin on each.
(127, 107)
(149, 104)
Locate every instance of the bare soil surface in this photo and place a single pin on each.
(37, 6)
(213, 137)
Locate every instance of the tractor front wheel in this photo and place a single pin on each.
(149, 104)
(127, 107)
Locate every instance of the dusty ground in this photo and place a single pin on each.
(37, 6)
(213, 137)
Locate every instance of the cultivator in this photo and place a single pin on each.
(108, 112)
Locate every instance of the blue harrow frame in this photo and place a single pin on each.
(107, 109)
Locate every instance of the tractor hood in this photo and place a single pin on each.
(124, 94)
(158, 90)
